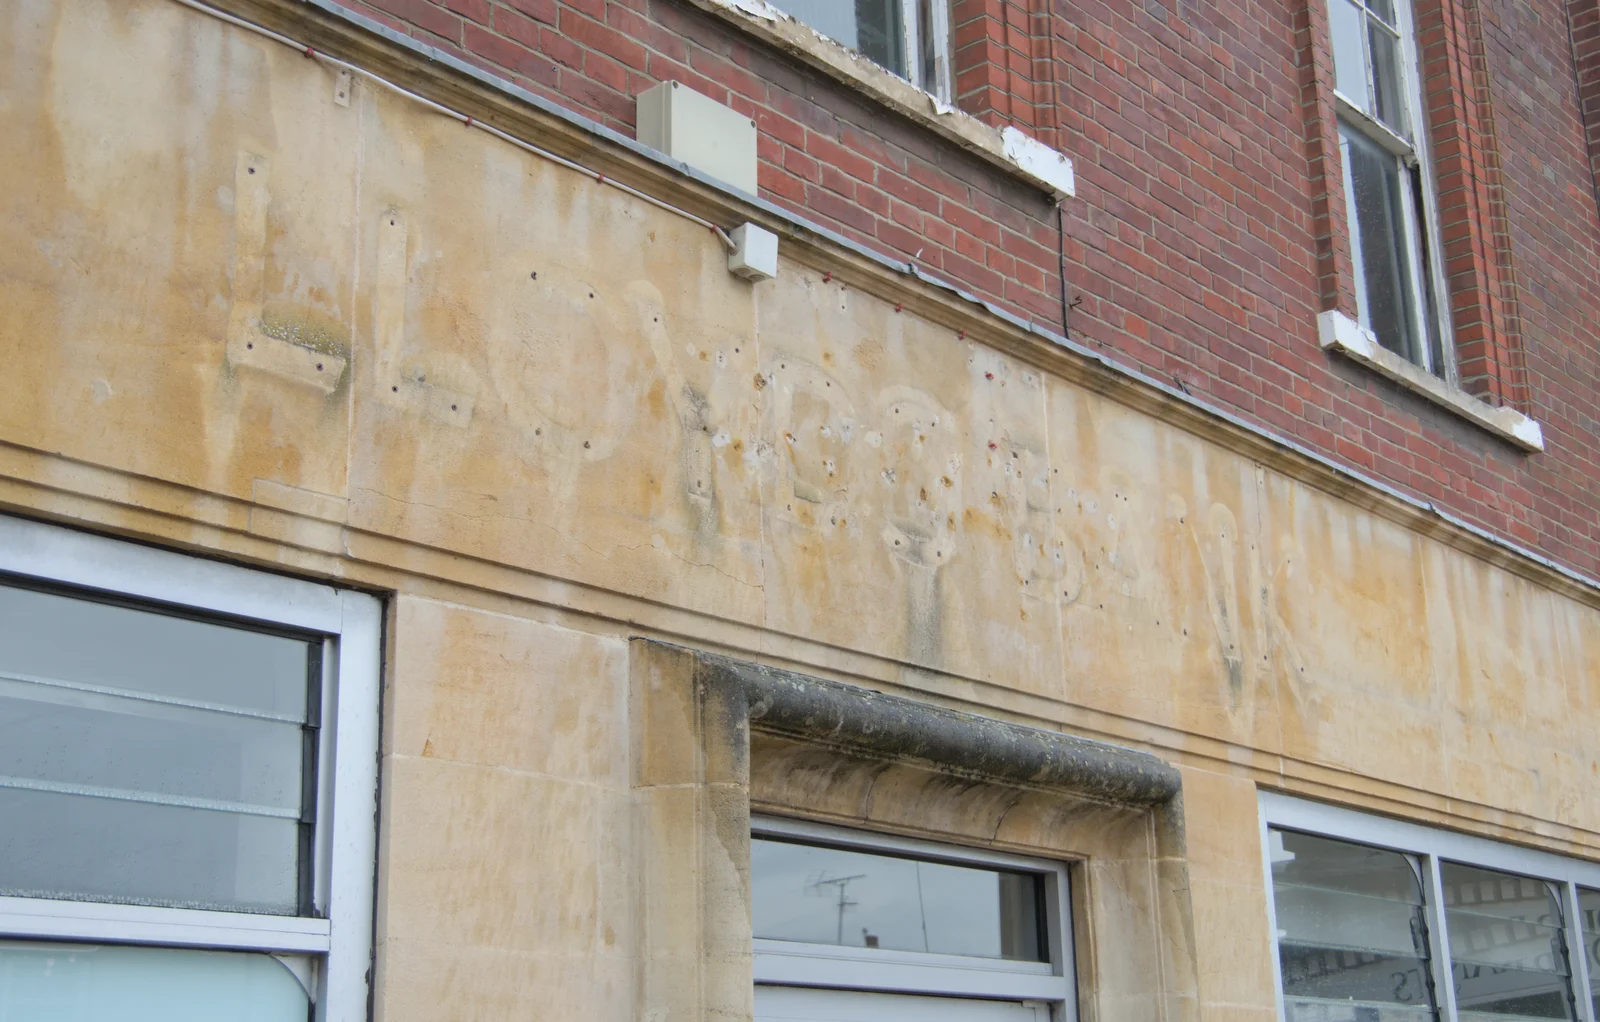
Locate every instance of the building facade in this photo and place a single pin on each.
(1129, 552)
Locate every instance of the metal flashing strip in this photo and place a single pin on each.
(797, 222)
(877, 724)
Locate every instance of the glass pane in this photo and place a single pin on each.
(1383, 9)
(929, 56)
(1351, 939)
(862, 899)
(1349, 56)
(802, 1004)
(95, 983)
(1589, 914)
(1508, 954)
(145, 651)
(880, 34)
(1390, 102)
(178, 744)
(1379, 242)
(873, 28)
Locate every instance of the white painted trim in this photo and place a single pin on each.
(1340, 333)
(355, 808)
(49, 919)
(779, 966)
(147, 573)
(796, 963)
(1417, 839)
(346, 834)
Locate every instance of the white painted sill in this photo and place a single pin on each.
(1011, 150)
(1342, 334)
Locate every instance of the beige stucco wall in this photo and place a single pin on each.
(363, 342)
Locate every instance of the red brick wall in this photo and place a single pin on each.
(1200, 240)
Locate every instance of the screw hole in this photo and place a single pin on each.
(395, 388)
(250, 345)
(586, 445)
(534, 275)
(252, 170)
(319, 367)
(452, 408)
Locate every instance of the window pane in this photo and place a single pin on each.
(928, 54)
(149, 759)
(95, 983)
(1589, 911)
(1349, 58)
(873, 28)
(861, 899)
(1390, 103)
(1383, 9)
(1351, 940)
(1508, 954)
(799, 1004)
(1379, 242)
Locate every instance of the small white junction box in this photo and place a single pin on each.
(755, 252)
(696, 129)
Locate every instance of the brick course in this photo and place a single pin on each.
(1208, 228)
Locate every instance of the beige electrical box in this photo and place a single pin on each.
(701, 132)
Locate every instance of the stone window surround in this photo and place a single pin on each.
(1008, 148)
(715, 739)
(1487, 382)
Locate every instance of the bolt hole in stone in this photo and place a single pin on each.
(250, 345)
(391, 223)
(586, 445)
(396, 389)
(319, 367)
(591, 294)
(538, 432)
(452, 408)
(534, 275)
(252, 170)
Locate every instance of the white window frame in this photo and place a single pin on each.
(943, 75)
(339, 936)
(1429, 846)
(793, 963)
(1421, 226)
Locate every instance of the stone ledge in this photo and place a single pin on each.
(1342, 334)
(894, 727)
(1009, 149)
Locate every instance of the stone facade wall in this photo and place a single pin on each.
(356, 341)
(1205, 236)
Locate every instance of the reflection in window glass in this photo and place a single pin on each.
(94, 983)
(1351, 939)
(1349, 56)
(1379, 242)
(1390, 102)
(1507, 950)
(181, 744)
(873, 28)
(862, 899)
(1589, 913)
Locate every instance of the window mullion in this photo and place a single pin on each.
(1577, 953)
(1415, 226)
(1438, 939)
